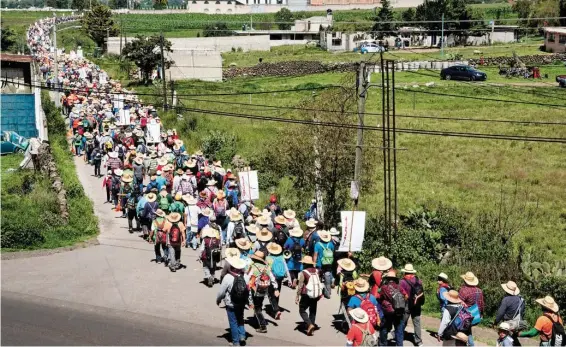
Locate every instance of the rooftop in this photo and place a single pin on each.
(16, 58)
(559, 30)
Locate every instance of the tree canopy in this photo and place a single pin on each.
(216, 29)
(284, 17)
(382, 22)
(145, 53)
(8, 38)
(98, 23)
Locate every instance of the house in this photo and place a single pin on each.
(21, 97)
(555, 39)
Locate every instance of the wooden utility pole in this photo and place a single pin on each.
(362, 94)
(161, 43)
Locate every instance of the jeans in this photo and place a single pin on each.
(174, 256)
(328, 279)
(208, 270)
(236, 322)
(272, 299)
(123, 202)
(416, 318)
(131, 216)
(222, 223)
(158, 247)
(96, 167)
(78, 150)
(192, 239)
(108, 194)
(258, 310)
(471, 340)
(115, 198)
(311, 304)
(391, 320)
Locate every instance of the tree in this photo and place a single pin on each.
(217, 29)
(98, 23)
(523, 8)
(78, 5)
(284, 17)
(159, 4)
(456, 17)
(409, 15)
(8, 38)
(382, 22)
(145, 53)
(116, 4)
(562, 12)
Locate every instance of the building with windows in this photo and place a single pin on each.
(555, 39)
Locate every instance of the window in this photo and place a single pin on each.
(336, 42)
(562, 39)
(217, 10)
(551, 37)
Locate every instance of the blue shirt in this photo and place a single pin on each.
(140, 205)
(355, 302)
(319, 248)
(161, 181)
(291, 263)
(441, 299)
(150, 186)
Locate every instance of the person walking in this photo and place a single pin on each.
(548, 325)
(278, 267)
(192, 212)
(412, 285)
(158, 235)
(504, 338)
(450, 331)
(324, 259)
(97, 161)
(107, 184)
(362, 332)
(149, 213)
(472, 297)
(512, 307)
(443, 287)
(280, 230)
(393, 302)
(261, 278)
(210, 254)
(366, 301)
(139, 170)
(380, 265)
(235, 227)
(311, 237)
(234, 292)
(294, 248)
(131, 204)
(309, 292)
(176, 238)
(263, 237)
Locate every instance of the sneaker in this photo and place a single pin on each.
(131, 230)
(262, 330)
(278, 315)
(172, 268)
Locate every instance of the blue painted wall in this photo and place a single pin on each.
(18, 114)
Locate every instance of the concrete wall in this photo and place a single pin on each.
(554, 45)
(218, 44)
(191, 64)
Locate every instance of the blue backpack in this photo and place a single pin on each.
(278, 266)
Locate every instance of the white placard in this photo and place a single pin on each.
(153, 132)
(353, 230)
(124, 117)
(249, 185)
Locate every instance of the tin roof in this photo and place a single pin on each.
(16, 58)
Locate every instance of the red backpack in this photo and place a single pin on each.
(175, 235)
(161, 235)
(369, 308)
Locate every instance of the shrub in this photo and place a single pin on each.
(220, 145)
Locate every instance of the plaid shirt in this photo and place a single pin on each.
(468, 295)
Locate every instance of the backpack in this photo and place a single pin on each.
(280, 237)
(369, 308)
(262, 246)
(131, 203)
(121, 152)
(161, 236)
(558, 337)
(175, 235)
(297, 250)
(238, 232)
(327, 255)
(232, 198)
(179, 160)
(240, 291)
(209, 248)
(262, 282)
(397, 301)
(115, 184)
(368, 339)
(416, 296)
(219, 209)
(462, 320)
(309, 244)
(164, 202)
(278, 267)
(142, 148)
(177, 207)
(313, 288)
(97, 156)
(108, 146)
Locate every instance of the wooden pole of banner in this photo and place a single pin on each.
(247, 171)
(351, 231)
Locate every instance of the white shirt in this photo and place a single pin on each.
(176, 182)
(192, 212)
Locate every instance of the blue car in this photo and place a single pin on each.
(13, 143)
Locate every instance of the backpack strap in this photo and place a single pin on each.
(456, 315)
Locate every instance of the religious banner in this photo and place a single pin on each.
(249, 186)
(353, 230)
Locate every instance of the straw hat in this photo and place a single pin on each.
(452, 296)
(409, 269)
(211, 183)
(307, 259)
(168, 168)
(504, 326)
(255, 211)
(174, 217)
(236, 262)
(390, 274)
(235, 215)
(264, 235)
(160, 213)
(381, 264)
(296, 232)
(190, 163)
(178, 196)
(199, 152)
(151, 197)
(334, 232)
(359, 315)
(289, 214)
(324, 236)
(259, 256)
(243, 244)
(252, 229)
(118, 172)
(280, 220)
(361, 285)
(179, 171)
(206, 212)
(127, 179)
(311, 223)
(189, 199)
(217, 163)
(113, 154)
(470, 279)
(347, 264)
(162, 162)
(460, 336)
(263, 220)
(274, 248)
(549, 303)
(153, 155)
(138, 160)
(443, 276)
(510, 288)
(207, 231)
(231, 252)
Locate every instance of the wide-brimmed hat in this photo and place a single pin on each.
(153, 155)
(510, 288)
(460, 336)
(118, 172)
(381, 264)
(113, 154)
(280, 220)
(311, 223)
(470, 279)
(252, 229)
(207, 231)
(307, 259)
(549, 303)
(127, 178)
(168, 168)
(217, 163)
(359, 315)
(390, 274)
(160, 213)
(199, 152)
(347, 264)
(289, 214)
(190, 163)
(443, 276)
(178, 196)
(221, 195)
(452, 296)
(174, 217)
(235, 215)
(324, 236)
(334, 232)
(274, 248)
(259, 256)
(211, 182)
(236, 262)
(151, 197)
(206, 212)
(409, 269)
(180, 171)
(255, 211)
(296, 232)
(189, 199)
(264, 235)
(504, 326)
(361, 285)
(243, 244)
(231, 252)
(263, 220)
(138, 160)
(162, 161)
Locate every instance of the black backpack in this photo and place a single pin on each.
(558, 337)
(263, 246)
(240, 292)
(280, 237)
(238, 231)
(121, 152)
(417, 291)
(297, 250)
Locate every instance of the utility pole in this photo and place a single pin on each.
(55, 60)
(442, 38)
(317, 166)
(107, 39)
(492, 32)
(161, 43)
(120, 15)
(362, 94)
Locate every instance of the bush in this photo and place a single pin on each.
(219, 145)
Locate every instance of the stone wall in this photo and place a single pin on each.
(288, 68)
(528, 60)
(48, 167)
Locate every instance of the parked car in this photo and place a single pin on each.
(561, 79)
(13, 143)
(371, 48)
(462, 72)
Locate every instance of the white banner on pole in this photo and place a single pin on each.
(353, 230)
(153, 132)
(124, 116)
(249, 185)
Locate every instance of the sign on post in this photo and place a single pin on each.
(353, 230)
(249, 185)
(153, 132)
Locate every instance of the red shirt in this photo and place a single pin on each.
(355, 334)
(468, 294)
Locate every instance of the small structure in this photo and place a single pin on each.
(555, 39)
